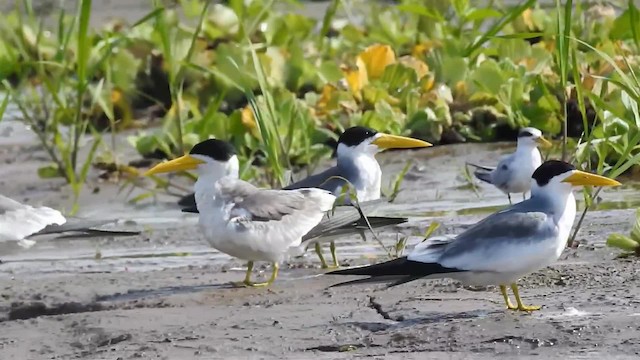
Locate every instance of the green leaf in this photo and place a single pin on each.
(430, 230)
(49, 172)
(4, 104)
(488, 77)
(421, 10)
(623, 26)
(622, 242)
(453, 69)
(481, 14)
(635, 232)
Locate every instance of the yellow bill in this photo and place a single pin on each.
(581, 178)
(186, 162)
(386, 141)
(544, 142)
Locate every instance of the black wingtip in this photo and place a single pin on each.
(191, 210)
(188, 201)
(369, 280)
(401, 269)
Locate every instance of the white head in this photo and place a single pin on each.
(212, 159)
(556, 178)
(531, 137)
(360, 140)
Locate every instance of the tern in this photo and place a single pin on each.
(503, 247)
(242, 220)
(356, 163)
(21, 223)
(513, 172)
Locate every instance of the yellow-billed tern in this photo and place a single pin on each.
(355, 163)
(242, 220)
(503, 247)
(513, 173)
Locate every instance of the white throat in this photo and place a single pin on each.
(360, 164)
(208, 174)
(563, 204)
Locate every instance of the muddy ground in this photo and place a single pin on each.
(165, 294)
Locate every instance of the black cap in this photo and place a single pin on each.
(215, 149)
(550, 169)
(354, 136)
(526, 132)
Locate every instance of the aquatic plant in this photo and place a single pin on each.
(629, 244)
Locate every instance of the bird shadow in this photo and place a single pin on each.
(135, 294)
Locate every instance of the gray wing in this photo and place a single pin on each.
(502, 174)
(514, 226)
(505, 227)
(346, 220)
(321, 181)
(260, 204)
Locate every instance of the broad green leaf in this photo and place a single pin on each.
(49, 172)
(622, 242)
(635, 231)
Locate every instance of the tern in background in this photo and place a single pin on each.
(503, 247)
(356, 162)
(513, 173)
(242, 220)
(20, 222)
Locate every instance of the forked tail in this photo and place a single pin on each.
(482, 173)
(400, 270)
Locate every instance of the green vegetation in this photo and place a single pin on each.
(280, 85)
(629, 244)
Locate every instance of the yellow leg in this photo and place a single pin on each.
(321, 257)
(332, 246)
(247, 277)
(503, 290)
(521, 306)
(274, 275)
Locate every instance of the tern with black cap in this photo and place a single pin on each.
(242, 220)
(503, 247)
(513, 173)
(356, 163)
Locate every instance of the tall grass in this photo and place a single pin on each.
(568, 60)
(56, 109)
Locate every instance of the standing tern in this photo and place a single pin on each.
(21, 222)
(356, 162)
(513, 173)
(503, 247)
(242, 220)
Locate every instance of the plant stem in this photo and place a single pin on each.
(584, 213)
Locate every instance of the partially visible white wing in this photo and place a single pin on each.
(18, 221)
